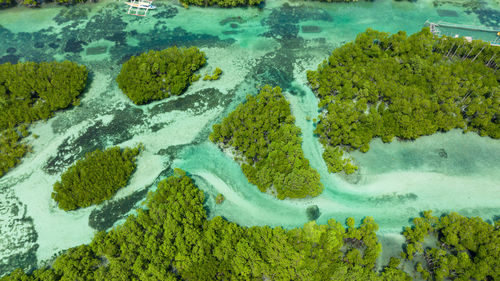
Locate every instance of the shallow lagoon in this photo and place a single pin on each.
(275, 45)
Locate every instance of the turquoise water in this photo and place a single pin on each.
(275, 45)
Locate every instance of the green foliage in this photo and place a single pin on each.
(215, 75)
(262, 130)
(12, 149)
(398, 86)
(219, 199)
(69, 2)
(77, 264)
(467, 248)
(95, 178)
(172, 239)
(221, 3)
(29, 92)
(31, 3)
(32, 91)
(156, 75)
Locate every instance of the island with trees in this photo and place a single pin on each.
(405, 87)
(29, 92)
(219, 199)
(462, 249)
(267, 142)
(157, 75)
(172, 239)
(95, 178)
(215, 75)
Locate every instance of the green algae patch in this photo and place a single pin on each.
(157, 75)
(405, 87)
(268, 144)
(29, 92)
(95, 178)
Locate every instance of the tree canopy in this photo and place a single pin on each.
(37, 3)
(399, 86)
(215, 75)
(221, 3)
(263, 131)
(29, 92)
(172, 239)
(95, 178)
(156, 75)
(32, 91)
(465, 248)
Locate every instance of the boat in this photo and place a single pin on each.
(143, 5)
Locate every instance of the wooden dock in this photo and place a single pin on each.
(435, 29)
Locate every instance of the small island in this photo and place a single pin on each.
(29, 92)
(157, 75)
(405, 87)
(95, 178)
(219, 199)
(263, 134)
(188, 245)
(215, 75)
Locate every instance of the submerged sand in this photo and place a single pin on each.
(444, 172)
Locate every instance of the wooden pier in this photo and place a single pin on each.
(435, 29)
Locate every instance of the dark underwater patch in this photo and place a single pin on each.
(162, 37)
(9, 58)
(72, 13)
(237, 19)
(393, 198)
(313, 212)
(97, 50)
(197, 102)
(22, 256)
(26, 260)
(39, 45)
(442, 153)
(106, 215)
(73, 46)
(488, 17)
(230, 32)
(284, 20)
(167, 11)
(119, 37)
(446, 13)
(96, 137)
(105, 25)
(311, 29)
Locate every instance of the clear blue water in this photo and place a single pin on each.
(275, 45)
